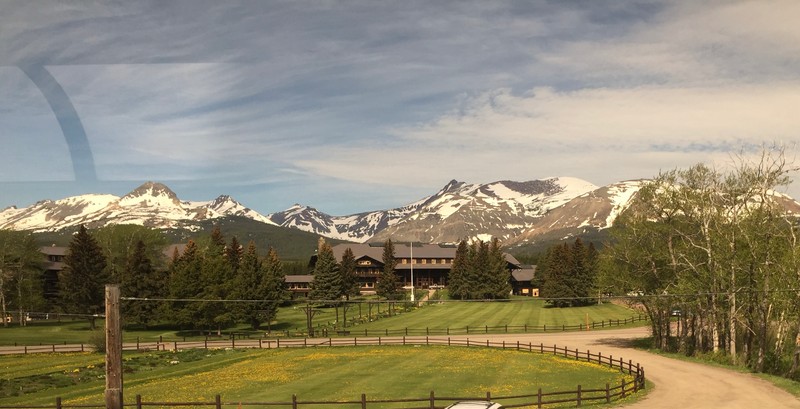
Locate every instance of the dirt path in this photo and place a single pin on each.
(678, 384)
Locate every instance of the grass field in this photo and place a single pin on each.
(457, 315)
(338, 374)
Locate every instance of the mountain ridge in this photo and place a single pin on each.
(510, 210)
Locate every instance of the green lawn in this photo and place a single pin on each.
(339, 373)
(518, 312)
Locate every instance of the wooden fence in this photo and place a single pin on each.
(324, 332)
(537, 399)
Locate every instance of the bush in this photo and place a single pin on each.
(97, 339)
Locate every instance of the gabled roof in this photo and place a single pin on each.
(524, 273)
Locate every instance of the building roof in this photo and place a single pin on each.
(525, 273)
(299, 278)
(53, 250)
(401, 250)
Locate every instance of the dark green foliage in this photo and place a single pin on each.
(185, 283)
(347, 268)
(142, 281)
(499, 274)
(327, 284)
(456, 285)
(20, 274)
(83, 279)
(569, 274)
(388, 285)
(272, 287)
(119, 242)
(481, 272)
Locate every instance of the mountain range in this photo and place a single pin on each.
(518, 213)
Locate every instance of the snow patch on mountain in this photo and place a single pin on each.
(151, 204)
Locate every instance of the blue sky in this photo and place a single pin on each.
(351, 106)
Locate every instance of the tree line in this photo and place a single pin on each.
(209, 268)
(567, 274)
(718, 252)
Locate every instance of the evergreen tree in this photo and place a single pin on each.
(479, 280)
(388, 285)
(246, 286)
(233, 252)
(83, 279)
(327, 284)
(272, 288)
(347, 268)
(456, 285)
(119, 241)
(500, 285)
(143, 281)
(216, 275)
(557, 269)
(185, 283)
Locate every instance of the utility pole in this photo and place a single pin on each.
(113, 393)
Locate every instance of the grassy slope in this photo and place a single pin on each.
(328, 374)
(520, 311)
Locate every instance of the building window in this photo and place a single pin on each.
(404, 261)
(424, 261)
(433, 261)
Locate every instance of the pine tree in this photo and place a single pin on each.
(327, 284)
(185, 283)
(272, 286)
(499, 274)
(246, 283)
(557, 272)
(456, 285)
(347, 268)
(388, 285)
(143, 281)
(84, 277)
(233, 252)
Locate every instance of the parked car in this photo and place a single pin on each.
(477, 404)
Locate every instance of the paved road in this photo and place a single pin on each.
(678, 384)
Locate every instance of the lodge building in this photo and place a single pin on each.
(430, 263)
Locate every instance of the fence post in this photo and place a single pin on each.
(608, 393)
(363, 401)
(58, 403)
(539, 399)
(623, 388)
(579, 395)
(294, 401)
(433, 401)
(175, 346)
(138, 401)
(218, 402)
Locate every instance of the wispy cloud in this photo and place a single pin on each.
(290, 101)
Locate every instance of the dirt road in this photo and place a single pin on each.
(678, 384)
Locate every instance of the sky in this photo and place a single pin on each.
(352, 106)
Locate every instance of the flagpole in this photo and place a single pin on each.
(412, 271)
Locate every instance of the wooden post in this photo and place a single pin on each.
(113, 392)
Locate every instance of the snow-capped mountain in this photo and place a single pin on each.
(591, 211)
(459, 210)
(151, 204)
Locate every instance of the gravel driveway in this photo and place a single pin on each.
(678, 384)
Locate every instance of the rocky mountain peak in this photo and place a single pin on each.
(153, 189)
